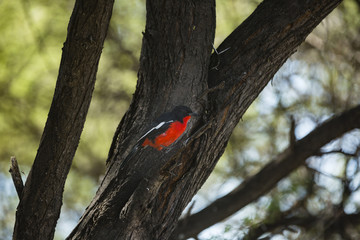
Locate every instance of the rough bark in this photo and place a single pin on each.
(39, 207)
(173, 71)
(143, 198)
(267, 178)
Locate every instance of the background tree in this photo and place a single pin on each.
(254, 72)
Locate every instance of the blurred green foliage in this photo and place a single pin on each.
(321, 79)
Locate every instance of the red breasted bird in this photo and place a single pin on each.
(165, 130)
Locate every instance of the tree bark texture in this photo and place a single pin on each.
(39, 207)
(267, 178)
(144, 197)
(173, 71)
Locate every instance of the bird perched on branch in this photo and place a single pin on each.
(165, 130)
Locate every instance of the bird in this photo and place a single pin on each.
(165, 130)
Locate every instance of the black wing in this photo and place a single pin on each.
(155, 131)
(158, 127)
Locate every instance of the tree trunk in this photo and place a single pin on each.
(39, 207)
(143, 198)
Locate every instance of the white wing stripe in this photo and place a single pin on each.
(156, 127)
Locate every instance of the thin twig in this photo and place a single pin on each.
(341, 151)
(292, 132)
(188, 213)
(16, 176)
(218, 54)
(342, 179)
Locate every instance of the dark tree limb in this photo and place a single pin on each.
(143, 198)
(338, 223)
(39, 207)
(267, 178)
(16, 176)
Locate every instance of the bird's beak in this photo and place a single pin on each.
(194, 114)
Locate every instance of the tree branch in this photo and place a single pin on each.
(16, 176)
(39, 207)
(269, 175)
(332, 224)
